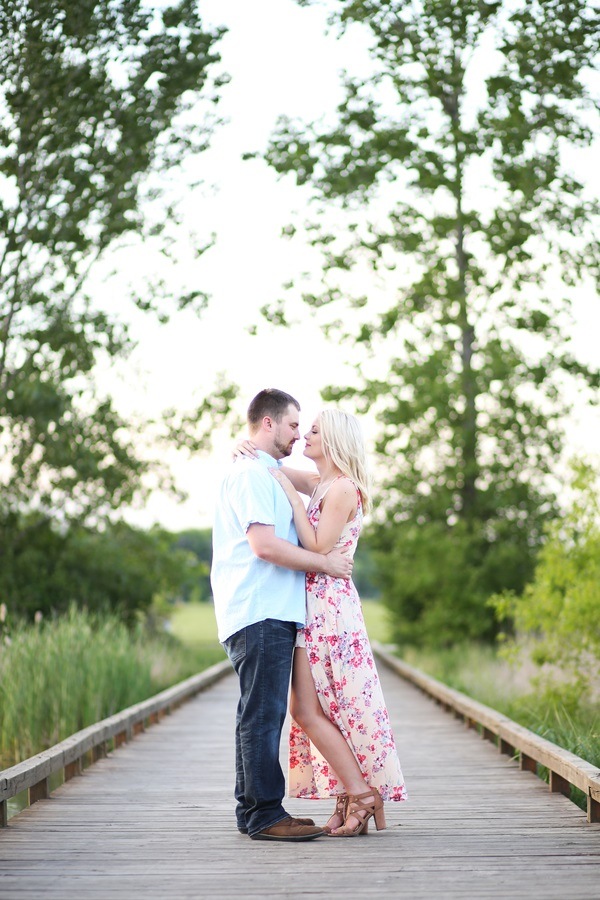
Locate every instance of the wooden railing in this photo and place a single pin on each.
(93, 743)
(565, 768)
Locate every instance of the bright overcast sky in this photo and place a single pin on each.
(281, 62)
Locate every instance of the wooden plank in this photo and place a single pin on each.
(134, 824)
(533, 748)
(33, 771)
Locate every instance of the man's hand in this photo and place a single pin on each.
(339, 564)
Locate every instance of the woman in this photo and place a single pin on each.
(341, 743)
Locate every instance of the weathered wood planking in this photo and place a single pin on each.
(155, 820)
(565, 768)
(33, 774)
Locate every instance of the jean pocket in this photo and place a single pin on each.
(235, 646)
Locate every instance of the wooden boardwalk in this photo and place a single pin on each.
(155, 820)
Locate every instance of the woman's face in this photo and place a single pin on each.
(313, 448)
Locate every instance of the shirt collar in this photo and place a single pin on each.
(268, 460)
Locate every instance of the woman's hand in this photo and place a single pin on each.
(285, 483)
(246, 447)
(305, 530)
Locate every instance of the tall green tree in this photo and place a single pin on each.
(449, 183)
(100, 102)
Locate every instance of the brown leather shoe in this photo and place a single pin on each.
(298, 821)
(288, 829)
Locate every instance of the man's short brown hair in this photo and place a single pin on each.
(270, 402)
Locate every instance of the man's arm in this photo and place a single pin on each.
(264, 544)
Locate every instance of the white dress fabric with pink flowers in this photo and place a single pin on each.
(347, 683)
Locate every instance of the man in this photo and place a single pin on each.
(258, 586)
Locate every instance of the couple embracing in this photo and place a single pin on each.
(285, 604)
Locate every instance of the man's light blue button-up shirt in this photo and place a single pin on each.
(247, 589)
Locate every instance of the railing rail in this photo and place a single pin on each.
(565, 768)
(33, 774)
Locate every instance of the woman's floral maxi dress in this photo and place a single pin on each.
(348, 688)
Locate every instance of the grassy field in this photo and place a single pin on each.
(194, 623)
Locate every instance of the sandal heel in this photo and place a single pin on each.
(362, 810)
(379, 817)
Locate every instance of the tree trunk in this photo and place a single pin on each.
(468, 438)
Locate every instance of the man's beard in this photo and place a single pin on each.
(284, 449)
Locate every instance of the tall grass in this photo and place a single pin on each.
(59, 676)
(515, 690)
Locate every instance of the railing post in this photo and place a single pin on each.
(527, 763)
(99, 751)
(3, 813)
(593, 806)
(538, 752)
(559, 785)
(39, 791)
(73, 768)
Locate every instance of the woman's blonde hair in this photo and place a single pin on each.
(344, 446)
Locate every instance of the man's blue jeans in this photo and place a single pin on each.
(261, 654)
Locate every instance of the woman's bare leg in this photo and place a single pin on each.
(324, 734)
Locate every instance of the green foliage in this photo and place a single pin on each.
(364, 572)
(101, 102)
(436, 581)
(459, 147)
(59, 676)
(198, 543)
(46, 569)
(558, 613)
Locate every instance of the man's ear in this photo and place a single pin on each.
(267, 423)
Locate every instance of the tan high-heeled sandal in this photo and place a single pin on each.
(341, 802)
(362, 811)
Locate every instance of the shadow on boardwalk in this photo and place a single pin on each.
(155, 820)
